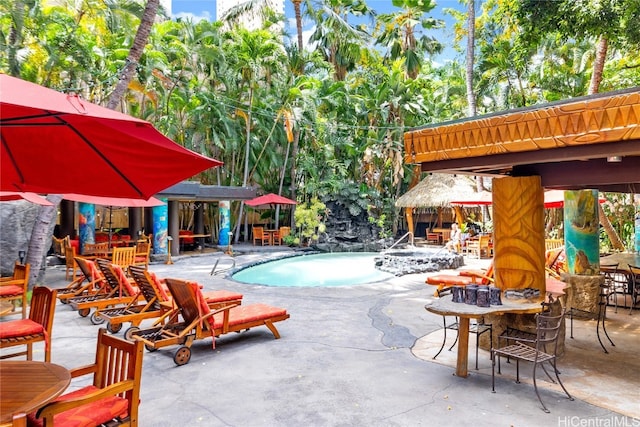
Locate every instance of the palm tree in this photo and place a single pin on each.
(398, 33)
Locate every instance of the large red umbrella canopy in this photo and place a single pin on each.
(113, 201)
(31, 197)
(59, 143)
(270, 199)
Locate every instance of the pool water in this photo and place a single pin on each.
(330, 269)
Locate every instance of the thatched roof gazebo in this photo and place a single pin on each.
(436, 190)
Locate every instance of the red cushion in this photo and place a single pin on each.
(221, 296)
(10, 290)
(446, 279)
(20, 327)
(249, 313)
(124, 281)
(89, 415)
(160, 287)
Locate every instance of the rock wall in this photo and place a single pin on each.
(16, 222)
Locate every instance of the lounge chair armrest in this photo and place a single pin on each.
(49, 410)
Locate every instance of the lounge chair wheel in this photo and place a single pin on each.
(182, 356)
(128, 334)
(114, 329)
(150, 348)
(96, 319)
(84, 312)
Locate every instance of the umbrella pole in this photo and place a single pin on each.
(110, 223)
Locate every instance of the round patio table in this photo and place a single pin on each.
(26, 386)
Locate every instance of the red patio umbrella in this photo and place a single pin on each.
(267, 200)
(31, 197)
(58, 143)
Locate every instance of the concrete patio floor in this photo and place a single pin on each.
(357, 356)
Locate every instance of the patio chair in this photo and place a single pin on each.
(157, 303)
(142, 253)
(70, 263)
(283, 232)
(200, 322)
(634, 276)
(538, 350)
(90, 282)
(124, 257)
(480, 247)
(113, 396)
(260, 234)
(36, 328)
(478, 328)
(14, 288)
(444, 282)
(118, 291)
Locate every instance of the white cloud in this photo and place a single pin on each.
(204, 15)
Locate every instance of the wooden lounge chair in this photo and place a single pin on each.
(444, 282)
(90, 282)
(199, 322)
(157, 302)
(111, 398)
(119, 292)
(34, 329)
(14, 288)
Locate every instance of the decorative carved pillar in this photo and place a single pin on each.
(86, 224)
(581, 227)
(518, 236)
(160, 229)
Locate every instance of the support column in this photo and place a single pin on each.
(160, 223)
(225, 222)
(408, 214)
(67, 216)
(135, 223)
(518, 218)
(86, 224)
(637, 222)
(581, 229)
(174, 226)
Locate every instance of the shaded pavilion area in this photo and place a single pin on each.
(590, 142)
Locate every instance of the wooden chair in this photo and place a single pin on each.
(59, 245)
(283, 232)
(259, 234)
(143, 253)
(34, 329)
(96, 250)
(480, 246)
(541, 349)
(14, 288)
(70, 262)
(124, 257)
(113, 396)
(200, 322)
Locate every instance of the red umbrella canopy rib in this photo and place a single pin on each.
(114, 201)
(58, 143)
(270, 199)
(31, 197)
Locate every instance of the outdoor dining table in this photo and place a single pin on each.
(26, 386)
(446, 307)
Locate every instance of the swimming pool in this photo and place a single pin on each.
(330, 269)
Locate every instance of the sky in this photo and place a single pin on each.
(206, 9)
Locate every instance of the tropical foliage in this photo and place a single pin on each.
(316, 122)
